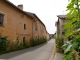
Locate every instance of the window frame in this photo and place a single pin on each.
(24, 26)
(36, 27)
(1, 19)
(24, 40)
(4, 19)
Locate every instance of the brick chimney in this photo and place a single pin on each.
(20, 6)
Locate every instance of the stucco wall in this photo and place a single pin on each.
(14, 24)
(15, 21)
(41, 29)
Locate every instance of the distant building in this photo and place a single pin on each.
(60, 24)
(48, 36)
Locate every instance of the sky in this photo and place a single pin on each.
(46, 10)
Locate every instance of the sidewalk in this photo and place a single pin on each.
(58, 56)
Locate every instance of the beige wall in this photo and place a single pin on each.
(14, 24)
(59, 25)
(15, 21)
(41, 32)
(48, 37)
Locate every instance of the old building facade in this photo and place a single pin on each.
(14, 22)
(39, 30)
(60, 24)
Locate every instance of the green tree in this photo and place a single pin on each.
(73, 29)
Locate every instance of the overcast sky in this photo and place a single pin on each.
(46, 10)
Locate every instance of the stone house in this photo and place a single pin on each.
(48, 36)
(14, 22)
(60, 24)
(39, 29)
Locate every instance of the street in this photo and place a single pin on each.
(40, 52)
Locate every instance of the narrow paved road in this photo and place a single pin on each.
(40, 52)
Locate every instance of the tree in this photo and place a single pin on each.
(73, 29)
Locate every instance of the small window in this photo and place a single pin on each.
(63, 33)
(36, 28)
(25, 26)
(1, 19)
(24, 39)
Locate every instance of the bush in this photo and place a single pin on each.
(35, 41)
(59, 43)
(15, 45)
(70, 49)
(78, 57)
(26, 44)
(68, 56)
(4, 43)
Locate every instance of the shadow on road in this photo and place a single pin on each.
(20, 52)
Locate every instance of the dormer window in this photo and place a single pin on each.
(1, 19)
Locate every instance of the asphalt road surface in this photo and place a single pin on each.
(40, 52)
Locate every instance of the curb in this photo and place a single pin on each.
(53, 54)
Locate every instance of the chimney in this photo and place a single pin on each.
(20, 6)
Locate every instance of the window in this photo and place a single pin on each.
(25, 26)
(36, 36)
(24, 39)
(63, 33)
(62, 26)
(1, 19)
(36, 28)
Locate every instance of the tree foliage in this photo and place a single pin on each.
(72, 28)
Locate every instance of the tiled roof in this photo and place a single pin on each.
(17, 8)
(39, 20)
(33, 14)
(61, 16)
